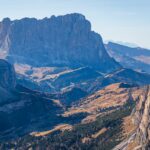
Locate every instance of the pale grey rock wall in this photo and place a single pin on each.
(143, 119)
(57, 41)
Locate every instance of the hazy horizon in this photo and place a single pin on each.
(127, 21)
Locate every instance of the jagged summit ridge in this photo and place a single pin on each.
(75, 15)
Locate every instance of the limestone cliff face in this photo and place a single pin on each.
(57, 41)
(7, 75)
(139, 138)
(143, 119)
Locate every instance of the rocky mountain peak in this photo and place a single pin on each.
(57, 41)
(6, 21)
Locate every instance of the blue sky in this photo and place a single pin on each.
(118, 20)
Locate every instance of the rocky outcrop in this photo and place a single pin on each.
(7, 81)
(139, 139)
(57, 41)
(7, 75)
(142, 118)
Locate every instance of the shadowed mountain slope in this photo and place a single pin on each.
(115, 117)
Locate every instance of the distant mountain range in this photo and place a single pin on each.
(62, 88)
(135, 58)
(131, 45)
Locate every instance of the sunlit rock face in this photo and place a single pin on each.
(57, 41)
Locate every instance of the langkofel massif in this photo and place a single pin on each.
(56, 41)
